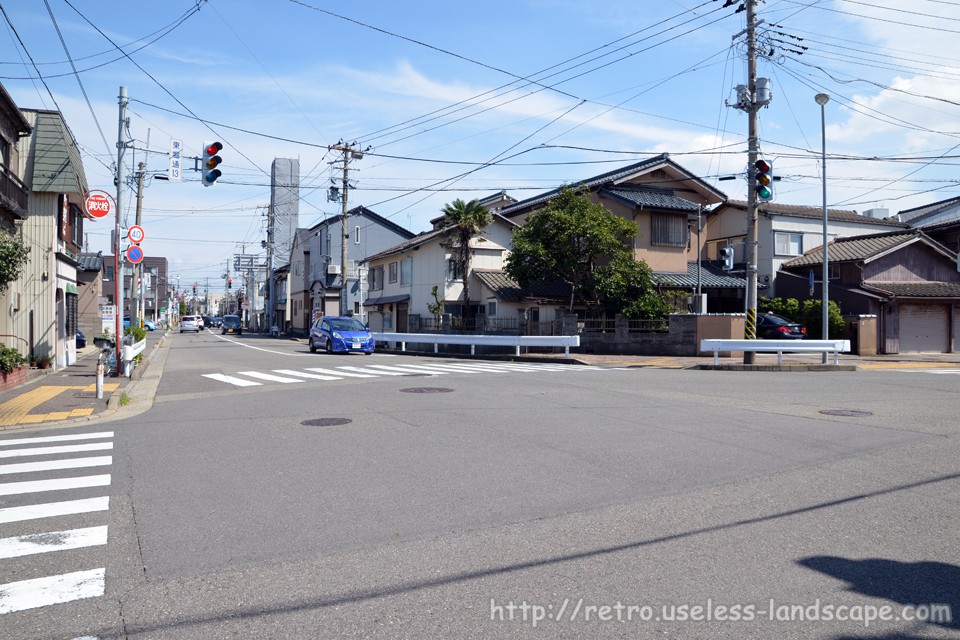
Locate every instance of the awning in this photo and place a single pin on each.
(71, 288)
(375, 302)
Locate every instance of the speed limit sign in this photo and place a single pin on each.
(135, 234)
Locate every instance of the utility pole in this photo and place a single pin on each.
(350, 152)
(753, 239)
(117, 262)
(138, 268)
(271, 302)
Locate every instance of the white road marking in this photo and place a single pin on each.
(304, 374)
(43, 451)
(375, 371)
(56, 484)
(53, 541)
(52, 509)
(267, 376)
(67, 438)
(231, 380)
(408, 369)
(42, 592)
(341, 374)
(52, 465)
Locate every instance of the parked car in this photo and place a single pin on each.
(773, 327)
(149, 325)
(81, 340)
(231, 324)
(126, 322)
(191, 323)
(337, 334)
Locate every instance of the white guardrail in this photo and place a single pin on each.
(778, 346)
(128, 353)
(473, 340)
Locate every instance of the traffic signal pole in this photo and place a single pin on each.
(117, 261)
(752, 240)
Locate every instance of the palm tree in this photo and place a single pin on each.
(465, 221)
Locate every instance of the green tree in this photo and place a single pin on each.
(14, 256)
(583, 244)
(464, 221)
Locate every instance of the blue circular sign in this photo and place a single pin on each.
(135, 254)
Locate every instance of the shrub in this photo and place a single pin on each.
(138, 333)
(10, 359)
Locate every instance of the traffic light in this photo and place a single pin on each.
(763, 180)
(726, 254)
(229, 283)
(210, 162)
(194, 289)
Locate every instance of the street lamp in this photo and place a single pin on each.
(822, 100)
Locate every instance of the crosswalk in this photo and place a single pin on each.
(942, 372)
(293, 376)
(40, 497)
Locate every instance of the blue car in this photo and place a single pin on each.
(340, 334)
(149, 325)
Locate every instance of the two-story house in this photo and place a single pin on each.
(314, 278)
(13, 209)
(53, 172)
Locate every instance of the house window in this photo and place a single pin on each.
(833, 270)
(356, 235)
(454, 272)
(492, 308)
(406, 271)
(393, 272)
(375, 275)
(668, 229)
(788, 244)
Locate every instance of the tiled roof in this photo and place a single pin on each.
(656, 198)
(90, 262)
(917, 214)
(508, 290)
(711, 276)
(806, 211)
(916, 289)
(863, 247)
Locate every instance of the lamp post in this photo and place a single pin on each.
(822, 100)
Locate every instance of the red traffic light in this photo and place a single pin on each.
(214, 149)
(210, 162)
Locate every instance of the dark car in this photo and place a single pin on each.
(231, 324)
(216, 321)
(773, 327)
(81, 340)
(340, 334)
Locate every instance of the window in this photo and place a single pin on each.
(833, 271)
(406, 271)
(788, 244)
(668, 229)
(492, 308)
(393, 272)
(376, 282)
(454, 272)
(356, 235)
(356, 308)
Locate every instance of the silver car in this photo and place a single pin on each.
(191, 323)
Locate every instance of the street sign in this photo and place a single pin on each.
(98, 204)
(175, 169)
(135, 234)
(135, 254)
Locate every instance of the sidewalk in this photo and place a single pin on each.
(69, 395)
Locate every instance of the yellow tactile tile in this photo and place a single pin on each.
(18, 410)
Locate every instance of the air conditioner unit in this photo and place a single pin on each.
(333, 269)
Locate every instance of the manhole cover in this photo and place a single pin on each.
(850, 413)
(426, 390)
(326, 422)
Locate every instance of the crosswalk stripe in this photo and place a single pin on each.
(238, 382)
(66, 438)
(43, 451)
(52, 509)
(376, 372)
(304, 374)
(35, 543)
(55, 484)
(267, 376)
(42, 592)
(408, 368)
(53, 465)
(341, 373)
(469, 368)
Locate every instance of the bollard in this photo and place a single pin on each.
(100, 379)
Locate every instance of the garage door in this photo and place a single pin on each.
(924, 328)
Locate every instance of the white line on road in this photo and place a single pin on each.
(303, 374)
(76, 436)
(56, 484)
(341, 373)
(52, 465)
(43, 451)
(42, 592)
(267, 376)
(408, 368)
(376, 372)
(53, 509)
(35, 543)
(231, 380)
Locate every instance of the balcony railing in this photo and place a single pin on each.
(14, 193)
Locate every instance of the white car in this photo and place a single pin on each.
(191, 323)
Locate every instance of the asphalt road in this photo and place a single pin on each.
(472, 500)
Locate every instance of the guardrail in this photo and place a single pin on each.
(778, 346)
(437, 339)
(128, 352)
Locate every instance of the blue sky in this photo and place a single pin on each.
(546, 91)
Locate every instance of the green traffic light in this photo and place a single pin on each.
(764, 193)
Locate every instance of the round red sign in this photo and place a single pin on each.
(98, 204)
